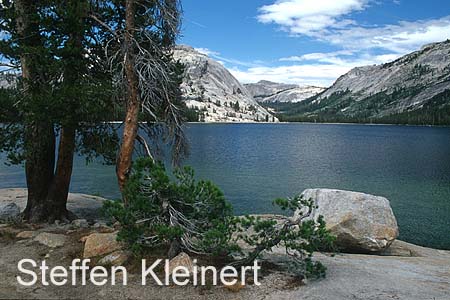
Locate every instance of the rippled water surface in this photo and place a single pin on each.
(255, 163)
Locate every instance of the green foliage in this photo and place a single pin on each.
(236, 106)
(300, 236)
(435, 111)
(419, 70)
(161, 210)
(8, 111)
(190, 114)
(71, 85)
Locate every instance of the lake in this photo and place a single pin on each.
(256, 163)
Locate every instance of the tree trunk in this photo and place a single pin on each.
(73, 72)
(47, 188)
(39, 165)
(39, 134)
(125, 156)
(59, 189)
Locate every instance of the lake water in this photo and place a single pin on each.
(255, 163)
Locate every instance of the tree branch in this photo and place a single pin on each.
(142, 141)
(95, 18)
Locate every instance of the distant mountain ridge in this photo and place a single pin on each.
(267, 91)
(413, 89)
(210, 89)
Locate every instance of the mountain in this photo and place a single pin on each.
(210, 89)
(412, 89)
(267, 91)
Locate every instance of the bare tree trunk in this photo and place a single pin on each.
(125, 157)
(39, 134)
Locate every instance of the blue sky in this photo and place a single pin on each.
(310, 41)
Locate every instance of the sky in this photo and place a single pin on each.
(310, 42)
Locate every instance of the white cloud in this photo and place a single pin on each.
(343, 58)
(313, 74)
(318, 56)
(207, 51)
(401, 38)
(197, 24)
(330, 21)
(320, 69)
(310, 17)
(223, 60)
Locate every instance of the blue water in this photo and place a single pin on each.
(255, 163)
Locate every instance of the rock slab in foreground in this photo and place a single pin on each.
(51, 240)
(117, 258)
(181, 260)
(98, 244)
(361, 222)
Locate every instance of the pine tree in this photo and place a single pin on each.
(62, 95)
(69, 55)
(236, 106)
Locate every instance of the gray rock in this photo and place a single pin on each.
(51, 240)
(361, 222)
(357, 276)
(80, 223)
(295, 95)
(267, 91)
(209, 87)
(27, 234)
(410, 81)
(264, 88)
(98, 244)
(9, 212)
(98, 225)
(83, 206)
(181, 260)
(117, 258)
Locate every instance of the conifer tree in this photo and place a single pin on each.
(61, 97)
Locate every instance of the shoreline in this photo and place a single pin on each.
(406, 271)
(306, 123)
(299, 123)
(89, 207)
(313, 123)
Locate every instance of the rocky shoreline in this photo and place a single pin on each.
(401, 271)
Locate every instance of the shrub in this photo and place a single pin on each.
(300, 236)
(185, 214)
(179, 213)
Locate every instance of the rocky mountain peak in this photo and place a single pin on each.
(267, 91)
(209, 88)
(414, 88)
(427, 66)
